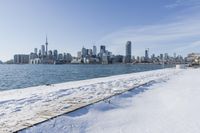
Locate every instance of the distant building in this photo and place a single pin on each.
(43, 50)
(161, 56)
(21, 59)
(36, 51)
(32, 56)
(138, 59)
(45, 56)
(117, 59)
(153, 56)
(35, 61)
(79, 54)
(46, 43)
(166, 56)
(67, 58)
(94, 52)
(55, 54)
(193, 58)
(105, 59)
(40, 53)
(76, 61)
(60, 56)
(146, 57)
(83, 52)
(174, 55)
(128, 52)
(50, 55)
(90, 52)
(102, 49)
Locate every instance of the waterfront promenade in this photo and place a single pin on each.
(26, 107)
(170, 105)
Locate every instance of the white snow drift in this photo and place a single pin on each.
(165, 106)
(25, 107)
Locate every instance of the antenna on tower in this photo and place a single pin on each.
(46, 45)
(46, 39)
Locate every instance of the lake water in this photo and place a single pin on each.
(21, 76)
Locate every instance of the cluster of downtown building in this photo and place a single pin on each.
(91, 56)
(43, 56)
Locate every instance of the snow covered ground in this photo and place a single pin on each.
(161, 106)
(155, 107)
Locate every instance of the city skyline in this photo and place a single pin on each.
(85, 55)
(164, 26)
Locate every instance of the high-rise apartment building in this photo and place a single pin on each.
(46, 43)
(21, 59)
(128, 52)
(94, 50)
(55, 54)
(146, 54)
(84, 52)
(43, 50)
(36, 51)
(102, 49)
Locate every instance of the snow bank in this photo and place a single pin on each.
(25, 107)
(170, 106)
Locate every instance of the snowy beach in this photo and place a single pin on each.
(131, 111)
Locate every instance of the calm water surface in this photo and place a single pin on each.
(20, 76)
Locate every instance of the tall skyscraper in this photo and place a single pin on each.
(60, 56)
(84, 52)
(102, 49)
(161, 56)
(36, 51)
(94, 50)
(43, 50)
(146, 54)
(46, 43)
(128, 52)
(90, 52)
(40, 53)
(55, 54)
(50, 54)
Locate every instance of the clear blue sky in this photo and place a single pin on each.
(161, 25)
